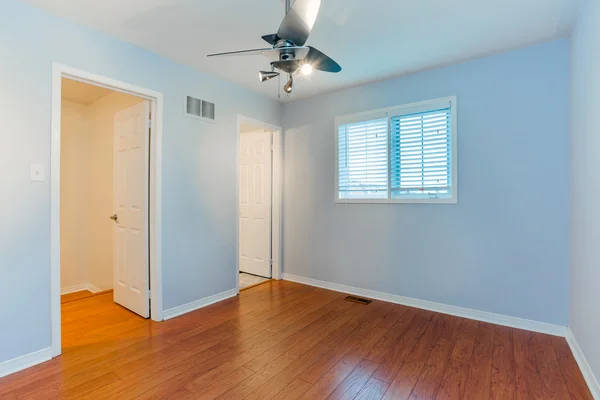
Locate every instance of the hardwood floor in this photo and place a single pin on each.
(283, 340)
(69, 297)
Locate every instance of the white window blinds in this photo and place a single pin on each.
(421, 152)
(402, 154)
(363, 159)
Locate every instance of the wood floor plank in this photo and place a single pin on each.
(455, 377)
(283, 358)
(144, 379)
(338, 316)
(190, 370)
(270, 319)
(63, 386)
(294, 390)
(431, 378)
(208, 366)
(553, 383)
(353, 384)
(395, 358)
(181, 394)
(373, 390)
(240, 356)
(89, 356)
(284, 340)
(221, 384)
(164, 382)
(576, 385)
(529, 385)
(382, 348)
(503, 384)
(349, 353)
(408, 374)
(67, 298)
(478, 384)
(329, 382)
(350, 329)
(361, 337)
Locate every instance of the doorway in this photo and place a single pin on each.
(105, 186)
(103, 195)
(259, 202)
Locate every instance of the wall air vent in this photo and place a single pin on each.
(199, 109)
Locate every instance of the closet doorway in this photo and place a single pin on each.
(259, 202)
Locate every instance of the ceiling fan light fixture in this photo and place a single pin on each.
(306, 69)
(289, 86)
(266, 75)
(287, 51)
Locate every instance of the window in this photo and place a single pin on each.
(404, 154)
(363, 159)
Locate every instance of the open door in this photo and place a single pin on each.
(255, 203)
(131, 171)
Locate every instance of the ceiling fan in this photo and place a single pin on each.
(288, 53)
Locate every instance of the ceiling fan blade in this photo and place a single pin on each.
(299, 21)
(271, 39)
(272, 54)
(320, 61)
(240, 53)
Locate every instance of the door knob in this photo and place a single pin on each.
(114, 217)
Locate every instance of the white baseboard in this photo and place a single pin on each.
(513, 322)
(93, 288)
(28, 360)
(585, 368)
(79, 288)
(194, 305)
(75, 288)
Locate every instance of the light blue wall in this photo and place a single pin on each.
(584, 315)
(504, 248)
(199, 166)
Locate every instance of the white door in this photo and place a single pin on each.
(131, 160)
(255, 203)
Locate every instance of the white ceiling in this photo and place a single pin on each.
(81, 93)
(371, 39)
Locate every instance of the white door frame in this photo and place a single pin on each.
(60, 71)
(277, 196)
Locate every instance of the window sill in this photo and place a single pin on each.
(396, 201)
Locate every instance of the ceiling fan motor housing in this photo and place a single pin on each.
(289, 66)
(286, 50)
(286, 56)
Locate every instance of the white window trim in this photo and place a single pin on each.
(390, 112)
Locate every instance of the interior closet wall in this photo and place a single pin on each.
(74, 197)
